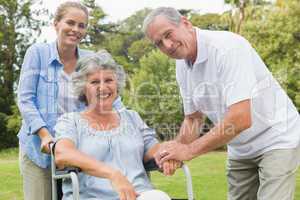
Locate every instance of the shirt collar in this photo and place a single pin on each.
(202, 54)
(79, 52)
(54, 56)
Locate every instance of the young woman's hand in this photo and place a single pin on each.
(46, 140)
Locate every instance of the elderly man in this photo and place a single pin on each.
(221, 76)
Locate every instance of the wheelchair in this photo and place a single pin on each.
(71, 173)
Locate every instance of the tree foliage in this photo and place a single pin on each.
(276, 37)
(17, 28)
(209, 21)
(154, 93)
(128, 45)
(97, 28)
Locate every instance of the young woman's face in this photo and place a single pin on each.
(71, 29)
(101, 90)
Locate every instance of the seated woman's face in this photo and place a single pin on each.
(101, 90)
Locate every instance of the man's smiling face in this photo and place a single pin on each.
(175, 40)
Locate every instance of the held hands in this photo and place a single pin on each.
(172, 150)
(123, 187)
(169, 167)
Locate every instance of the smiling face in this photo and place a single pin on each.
(72, 27)
(176, 41)
(101, 90)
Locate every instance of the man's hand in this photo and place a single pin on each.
(169, 167)
(172, 150)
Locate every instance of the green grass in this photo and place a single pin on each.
(10, 180)
(209, 179)
(208, 173)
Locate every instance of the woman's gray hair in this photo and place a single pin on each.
(87, 65)
(170, 13)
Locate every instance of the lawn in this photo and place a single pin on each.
(208, 173)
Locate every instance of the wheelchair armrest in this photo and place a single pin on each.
(67, 170)
(63, 171)
(151, 165)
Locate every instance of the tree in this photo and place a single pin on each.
(139, 48)
(134, 23)
(128, 45)
(15, 18)
(238, 13)
(97, 28)
(153, 93)
(276, 37)
(12, 125)
(209, 21)
(17, 28)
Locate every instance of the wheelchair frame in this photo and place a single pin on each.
(71, 173)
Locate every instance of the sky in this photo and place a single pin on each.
(121, 9)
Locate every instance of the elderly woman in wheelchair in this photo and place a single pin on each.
(108, 145)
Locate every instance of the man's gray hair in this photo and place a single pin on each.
(90, 64)
(170, 13)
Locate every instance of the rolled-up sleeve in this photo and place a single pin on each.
(27, 90)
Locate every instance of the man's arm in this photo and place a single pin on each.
(190, 128)
(189, 131)
(237, 119)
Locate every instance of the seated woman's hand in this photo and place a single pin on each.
(169, 167)
(123, 187)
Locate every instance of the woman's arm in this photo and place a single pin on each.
(151, 145)
(66, 154)
(27, 97)
(151, 152)
(27, 90)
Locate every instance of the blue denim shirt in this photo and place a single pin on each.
(37, 97)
